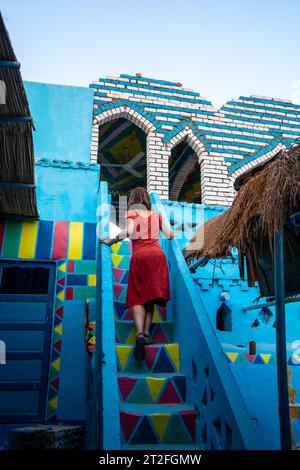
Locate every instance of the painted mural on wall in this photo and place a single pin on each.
(72, 245)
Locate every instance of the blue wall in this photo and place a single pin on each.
(63, 119)
(257, 381)
(73, 386)
(67, 192)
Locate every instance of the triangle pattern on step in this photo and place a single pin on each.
(152, 393)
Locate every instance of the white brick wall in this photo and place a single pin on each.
(223, 140)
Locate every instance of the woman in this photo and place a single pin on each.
(148, 281)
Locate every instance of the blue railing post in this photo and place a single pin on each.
(95, 424)
(105, 421)
(282, 381)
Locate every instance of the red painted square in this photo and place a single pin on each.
(69, 293)
(71, 266)
(60, 242)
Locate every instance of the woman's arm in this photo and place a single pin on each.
(169, 234)
(127, 231)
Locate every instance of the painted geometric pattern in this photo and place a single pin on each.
(167, 425)
(121, 254)
(161, 332)
(55, 359)
(45, 239)
(122, 314)
(75, 280)
(259, 359)
(153, 389)
(73, 245)
(80, 279)
(159, 358)
(152, 392)
(90, 336)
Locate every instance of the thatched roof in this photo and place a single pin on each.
(205, 237)
(17, 187)
(265, 200)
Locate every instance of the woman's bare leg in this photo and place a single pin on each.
(139, 317)
(149, 307)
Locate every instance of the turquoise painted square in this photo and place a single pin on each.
(82, 293)
(85, 267)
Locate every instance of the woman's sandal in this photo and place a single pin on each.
(148, 339)
(139, 350)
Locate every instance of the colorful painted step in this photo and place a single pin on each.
(159, 358)
(157, 424)
(161, 332)
(152, 393)
(121, 313)
(152, 388)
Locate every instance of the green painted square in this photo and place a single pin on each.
(82, 293)
(85, 267)
(11, 239)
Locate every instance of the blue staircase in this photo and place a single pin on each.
(184, 394)
(152, 393)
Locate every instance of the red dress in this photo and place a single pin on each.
(148, 279)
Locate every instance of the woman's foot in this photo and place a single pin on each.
(139, 350)
(148, 339)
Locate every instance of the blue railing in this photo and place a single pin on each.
(104, 423)
(223, 421)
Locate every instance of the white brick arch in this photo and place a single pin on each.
(200, 154)
(117, 112)
(192, 140)
(127, 112)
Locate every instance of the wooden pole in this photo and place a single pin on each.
(282, 380)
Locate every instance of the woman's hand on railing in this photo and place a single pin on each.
(107, 241)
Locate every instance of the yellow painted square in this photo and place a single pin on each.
(92, 279)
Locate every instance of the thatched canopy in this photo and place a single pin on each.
(264, 201)
(17, 187)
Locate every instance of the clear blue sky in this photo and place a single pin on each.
(221, 48)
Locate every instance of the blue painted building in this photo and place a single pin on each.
(201, 386)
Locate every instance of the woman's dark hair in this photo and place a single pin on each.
(139, 197)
